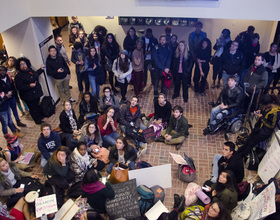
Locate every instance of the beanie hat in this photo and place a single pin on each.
(124, 52)
(158, 193)
(10, 138)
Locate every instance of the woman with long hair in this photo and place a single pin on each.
(107, 124)
(28, 85)
(203, 56)
(92, 66)
(110, 52)
(82, 38)
(129, 42)
(138, 66)
(182, 67)
(69, 125)
(122, 153)
(58, 169)
(122, 69)
(96, 192)
(216, 211)
(87, 107)
(91, 135)
(12, 72)
(225, 190)
(73, 35)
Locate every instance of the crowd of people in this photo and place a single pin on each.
(101, 134)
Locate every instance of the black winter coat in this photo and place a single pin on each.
(65, 123)
(84, 109)
(187, 64)
(233, 98)
(126, 116)
(55, 64)
(129, 154)
(23, 80)
(7, 87)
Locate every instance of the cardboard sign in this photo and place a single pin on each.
(149, 134)
(125, 203)
(178, 159)
(270, 164)
(264, 204)
(150, 176)
(156, 211)
(45, 205)
(67, 211)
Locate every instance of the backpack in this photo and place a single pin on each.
(47, 106)
(49, 188)
(142, 164)
(192, 212)
(145, 199)
(31, 184)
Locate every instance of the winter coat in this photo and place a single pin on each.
(119, 73)
(23, 80)
(53, 65)
(182, 129)
(187, 64)
(129, 155)
(65, 123)
(258, 78)
(233, 98)
(126, 116)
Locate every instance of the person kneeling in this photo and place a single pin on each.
(177, 130)
(122, 153)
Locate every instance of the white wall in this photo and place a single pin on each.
(14, 11)
(24, 38)
(213, 27)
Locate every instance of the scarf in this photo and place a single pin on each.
(93, 187)
(274, 112)
(72, 121)
(10, 176)
(84, 160)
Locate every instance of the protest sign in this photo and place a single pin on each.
(45, 205)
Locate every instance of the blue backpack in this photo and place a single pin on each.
(145, 199)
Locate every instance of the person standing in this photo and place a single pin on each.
(162, 55)
(194, 40)
(61, 49)
(58, 69)
(203, 56)
(28, 85)
(129, 42)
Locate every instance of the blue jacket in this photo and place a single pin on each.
(50, 144)
(162, 56)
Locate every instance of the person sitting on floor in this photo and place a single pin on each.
(122, 153)
(231, 99)
(10, 176)
(109, 100)
(48, 142)
(91, 135)
(177, 129)
(69, 125)
(14, 149)
(80, 161)
(102, 156)
(267, 119)
(130, 117)
(216, 211)
(88, 108)
(229, 160)
(107, 124)
(162, 114)
(96, 192)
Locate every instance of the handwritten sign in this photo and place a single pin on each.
(125, 203)
(45, 205)
(270, 164)
(149, 134)
(178, 159)
(264, 204)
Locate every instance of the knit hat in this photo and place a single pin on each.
(158, 193)
(10, 138)
(124, 52)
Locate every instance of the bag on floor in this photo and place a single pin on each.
(142, 164)
(47, 106)
(119, 175)
(187, 173)
(49, 188)
(241, 211)
(254, 158)
(145, 199)
(31, 184)
(76, 190)
(193, 212)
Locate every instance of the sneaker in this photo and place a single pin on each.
(185, 100)
(174, 96)
(17, 133)
(20, 124)
(178, 146)
(72, 100)
(22, 114)
(206, 131)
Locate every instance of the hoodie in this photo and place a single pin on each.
(97, 194)
(50, 144)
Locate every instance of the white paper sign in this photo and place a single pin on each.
(158, 175)
(65, 208)
(178, 159)
(264, 204)
(156, 211)
(45, 205)
(270, 164)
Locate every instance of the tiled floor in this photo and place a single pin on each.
(201, 148)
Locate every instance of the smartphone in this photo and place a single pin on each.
(22, 186)
(103, 179)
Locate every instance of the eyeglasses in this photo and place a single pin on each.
(22, 64)
(107, 91)
(211, 207)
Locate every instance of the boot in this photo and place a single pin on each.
(20, 124)
(17, 133)
(181, 205)
(177, 200)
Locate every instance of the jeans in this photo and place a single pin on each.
(111, 138)
(20, 107)
(44, 160)
(215, 168)
(82, 76)
(93, 85)
(131, 166)
(13, 104)
(217, 113)
(123, 87)
(157, 76)
(63, 88)
(6, 120)
(225, 78)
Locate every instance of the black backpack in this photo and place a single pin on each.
(49, 188)
(47, 106)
